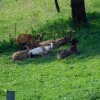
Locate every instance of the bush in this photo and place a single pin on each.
(7, 46)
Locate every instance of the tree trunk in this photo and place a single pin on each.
(57, 6)
(78, 11)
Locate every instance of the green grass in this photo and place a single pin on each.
(74, 78)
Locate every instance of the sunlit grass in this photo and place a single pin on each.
(74, 78)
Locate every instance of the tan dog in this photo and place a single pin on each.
(20, 55)
(45, 42)
(59, 41)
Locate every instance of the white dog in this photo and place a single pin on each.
(42, 50)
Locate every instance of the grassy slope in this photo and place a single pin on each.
(76, 77)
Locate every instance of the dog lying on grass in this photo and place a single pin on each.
(59, 41)
(20, 55)
(40, 51)
(68, 51)
(45, 42)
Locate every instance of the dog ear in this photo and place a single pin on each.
(39, 36)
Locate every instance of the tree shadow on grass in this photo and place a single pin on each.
(87, 35)
(8, 46)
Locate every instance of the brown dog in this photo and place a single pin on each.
(45, 42)
(23, 39)
(59, 41)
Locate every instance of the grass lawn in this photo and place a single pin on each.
(76, 77)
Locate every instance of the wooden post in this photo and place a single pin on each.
(10, 95)
(78, 11)
(57, 6)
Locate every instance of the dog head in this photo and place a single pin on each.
(74, 42)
